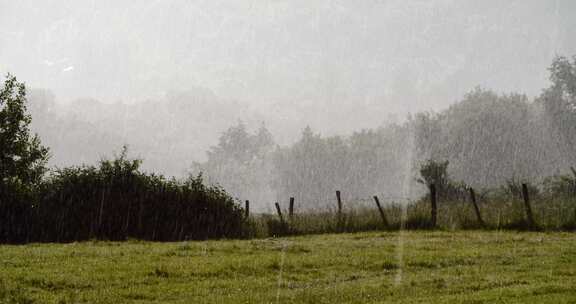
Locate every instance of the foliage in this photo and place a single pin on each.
(563, 186)
(22, 159)
(113, 200)
(312, 169)
(563, 75)
(366, 163)
(436, 172)
(512, 189)
(489, 140)
(241, 163)
(116, 201)
(487, 137)
(559, 102)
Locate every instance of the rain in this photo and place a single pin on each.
(263, 121)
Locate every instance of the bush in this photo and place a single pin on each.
(561, 185)
(513, 189)
(116, 201)
(436, 172)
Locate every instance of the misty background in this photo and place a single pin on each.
(228, 88)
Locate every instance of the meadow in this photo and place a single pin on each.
(366, 267)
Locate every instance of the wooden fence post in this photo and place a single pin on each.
(434, 210)
(279, 212)
(476, 209)
(527, 207)
(384, 221)
(247, 209)
(573, 185)
(291, 208)
(340, 217)
(339, 201)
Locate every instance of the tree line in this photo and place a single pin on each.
(489, 140)
(486, 140)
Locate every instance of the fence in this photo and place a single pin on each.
(385, 219)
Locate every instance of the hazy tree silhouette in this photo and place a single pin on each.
(241, 163)
(560, 105)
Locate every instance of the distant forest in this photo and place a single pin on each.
(488, 139)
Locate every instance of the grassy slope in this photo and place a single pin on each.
(436, 267)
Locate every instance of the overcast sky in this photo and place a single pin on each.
(405, 55)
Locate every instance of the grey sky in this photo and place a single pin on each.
(394, 55)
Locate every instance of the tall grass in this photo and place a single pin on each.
(499, 213)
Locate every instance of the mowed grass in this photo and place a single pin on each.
(375, 267)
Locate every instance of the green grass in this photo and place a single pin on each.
(375, 267)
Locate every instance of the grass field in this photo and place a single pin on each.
(375, 267)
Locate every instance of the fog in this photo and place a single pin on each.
(399, 55)
(167, 78)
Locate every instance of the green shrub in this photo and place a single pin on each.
(436, 172)
(116, 201)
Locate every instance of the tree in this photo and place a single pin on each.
(312, 169)
(560, 105)
(241, 164)
(436, 172)
(563, 76)
(22, 157)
